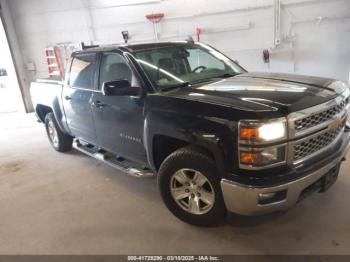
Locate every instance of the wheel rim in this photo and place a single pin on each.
(192, 191)
(52, 133)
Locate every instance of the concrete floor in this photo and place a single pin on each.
(54, 203)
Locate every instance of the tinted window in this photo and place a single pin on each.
(82, 71)
(115, 67)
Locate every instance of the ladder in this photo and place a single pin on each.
(53, 62)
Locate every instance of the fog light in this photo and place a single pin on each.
(264, 196)
(271, 197)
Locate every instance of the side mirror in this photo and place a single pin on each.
(119, 88)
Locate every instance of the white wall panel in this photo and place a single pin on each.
(240, 28)
(34, 7)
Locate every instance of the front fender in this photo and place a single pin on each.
(213, 134)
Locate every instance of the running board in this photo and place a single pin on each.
(113, 160)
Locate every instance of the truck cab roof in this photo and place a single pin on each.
(134, 47)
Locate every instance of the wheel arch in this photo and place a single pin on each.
(41, 111)
(159, 145)
(163, 146)
(55, 107)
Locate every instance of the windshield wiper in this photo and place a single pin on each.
(226, 75)
(184, 84)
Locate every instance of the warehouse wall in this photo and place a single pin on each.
(315, 34)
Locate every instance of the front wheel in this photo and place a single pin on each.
(190, 187)
(59, 140)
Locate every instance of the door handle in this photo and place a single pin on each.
(98, 104)
(67, 98)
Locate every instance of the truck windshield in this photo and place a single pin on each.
(180, 65)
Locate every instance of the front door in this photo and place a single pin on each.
(77, 95)
(119, 119)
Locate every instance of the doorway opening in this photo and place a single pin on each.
(10, 95)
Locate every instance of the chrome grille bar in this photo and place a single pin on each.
(312, 130)
(319, 118)
(309, 146)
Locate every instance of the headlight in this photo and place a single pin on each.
(264, 157)
(259, 132)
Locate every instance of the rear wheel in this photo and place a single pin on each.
(190, 187)
(59, 141)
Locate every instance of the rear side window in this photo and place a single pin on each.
(82, 71)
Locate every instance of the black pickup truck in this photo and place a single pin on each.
(219, 139)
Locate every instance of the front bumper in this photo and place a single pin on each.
(246, 200)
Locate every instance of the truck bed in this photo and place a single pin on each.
(44, 91)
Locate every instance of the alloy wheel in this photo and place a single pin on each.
(192, 191)
(52, 133)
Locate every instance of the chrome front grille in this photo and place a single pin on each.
(313, 144)
(319, 118)
(313, 130)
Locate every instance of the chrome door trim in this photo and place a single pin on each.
(84, 89)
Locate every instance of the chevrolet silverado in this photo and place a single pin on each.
(219, 139)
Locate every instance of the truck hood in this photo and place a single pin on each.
(265, 92)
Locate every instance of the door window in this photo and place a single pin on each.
(82, 71)
(115, 67)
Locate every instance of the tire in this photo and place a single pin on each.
(199, 204)
(59, 141)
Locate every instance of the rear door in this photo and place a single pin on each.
(119, 119)
(77, 95)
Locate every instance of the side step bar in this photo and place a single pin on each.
(113, 160)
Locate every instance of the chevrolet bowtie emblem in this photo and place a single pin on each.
(335, 124)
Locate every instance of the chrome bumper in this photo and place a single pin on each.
(242, 199)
